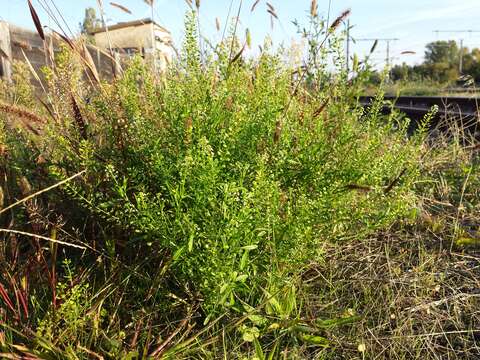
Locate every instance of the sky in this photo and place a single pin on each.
(412, 22)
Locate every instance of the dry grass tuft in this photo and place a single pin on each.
(416, 298)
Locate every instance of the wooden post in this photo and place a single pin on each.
(6, 49)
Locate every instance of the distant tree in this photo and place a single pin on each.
(442, 61)
(441, 64)
(400, 72)
(446, 52)
(90, 22)
(471, 64)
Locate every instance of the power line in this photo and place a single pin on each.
(387, 40)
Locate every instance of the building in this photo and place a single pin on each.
(144, 37)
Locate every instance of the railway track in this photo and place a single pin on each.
(463, 112)
(418, 106)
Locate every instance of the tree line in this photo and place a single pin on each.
(444, 62)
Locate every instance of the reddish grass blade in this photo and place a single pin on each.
(6, 298)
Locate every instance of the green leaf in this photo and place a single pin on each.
(250, 334)
(190, 243)
(178, 254)
(241, 278)
(258, 349)
(315, 340)
(257, 319)
(249, 247)
(243, 261)
(326, 324)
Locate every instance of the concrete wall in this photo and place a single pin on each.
(140, 38)
(16, 41)
(5, 51)
(131, 37)
(30, 43)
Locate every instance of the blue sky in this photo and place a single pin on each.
(412, 21)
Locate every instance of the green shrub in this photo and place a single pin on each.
(232, 175)
(209, 183)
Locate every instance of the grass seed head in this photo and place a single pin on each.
(339, 20)
(314, 8)
(254, 5)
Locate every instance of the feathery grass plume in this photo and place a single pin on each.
(36, 20)
(121, 7)
(273, 13)
(248, 37)
(314, 8)
(270, 6)
(217, 23)
(149, 2)
(237, 56)
(197, 4)
(254, 5)
(322, 107)
(339, 20)
(408, 52)
(21, 113)
(374, 46)
(77, 115)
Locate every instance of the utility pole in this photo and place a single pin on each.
(460, 62)
(388, 41)
(469, 31)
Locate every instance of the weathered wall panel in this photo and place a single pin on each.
(18, 41)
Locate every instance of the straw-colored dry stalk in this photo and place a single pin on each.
(121, 7)
(314, 8)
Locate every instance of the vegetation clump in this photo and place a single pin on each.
(187, 212)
